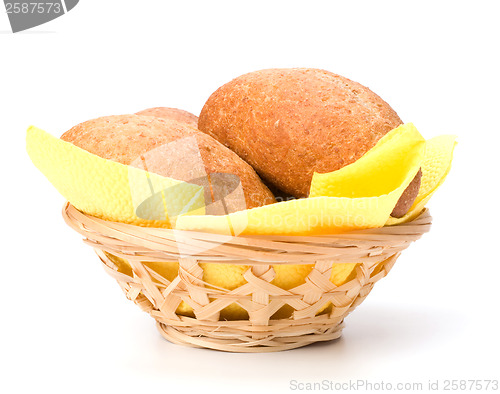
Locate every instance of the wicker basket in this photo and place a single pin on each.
(374, 251)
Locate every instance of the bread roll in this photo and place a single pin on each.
(171, 114)
(126, 138)
(290, 123)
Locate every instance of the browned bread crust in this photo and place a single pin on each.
(124, 138)
(290, 123)
(171, 113)
(408, 197)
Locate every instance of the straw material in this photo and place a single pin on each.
(374, 251)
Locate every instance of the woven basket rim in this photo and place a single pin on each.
(424, 216)
(165, 244)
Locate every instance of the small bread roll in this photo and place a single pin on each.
(171, 114)
(128, 138)
(289, 123)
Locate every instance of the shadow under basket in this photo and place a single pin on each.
(372, 252)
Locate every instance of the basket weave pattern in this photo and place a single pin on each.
(374, 251)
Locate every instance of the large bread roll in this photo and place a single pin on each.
(290, 123)
(126, 138)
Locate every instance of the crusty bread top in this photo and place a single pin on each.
(172, 114)
(289, 123)
(124, 138)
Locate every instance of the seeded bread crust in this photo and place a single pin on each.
(171, 114)
(124, 138)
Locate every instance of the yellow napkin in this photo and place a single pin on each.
(360, 195)
(435, 167)
(110, 190)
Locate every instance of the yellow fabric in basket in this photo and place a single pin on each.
(360, 195)
(107, 189)
(435, 168)
(230, 276)
(389, 166)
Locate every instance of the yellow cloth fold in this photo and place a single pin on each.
(110, 190)
(360, 195)
(435, 168)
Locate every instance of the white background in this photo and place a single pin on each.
(66, 326)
